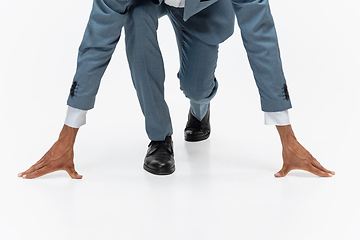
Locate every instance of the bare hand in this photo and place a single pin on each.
(295, 156)
(59, 157)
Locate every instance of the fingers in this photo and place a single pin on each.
(319, 172)
(312, 166)
(295, 156)
(41, 171)
(313, 170)
(36, 173)
(39, 164)
(317, 165)
(59, 157)
(32, 169)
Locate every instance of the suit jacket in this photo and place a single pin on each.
(212, 21)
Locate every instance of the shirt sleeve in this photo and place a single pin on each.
(75, 118)
(277, 118)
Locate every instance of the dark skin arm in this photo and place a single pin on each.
(59, 157)
(295, 156)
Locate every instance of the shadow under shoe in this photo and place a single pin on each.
(159, 159)
(196, 130)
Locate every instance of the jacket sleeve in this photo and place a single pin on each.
(260, 41)
(100, 38)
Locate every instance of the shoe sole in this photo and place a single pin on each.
(190, 138)
(159, 171)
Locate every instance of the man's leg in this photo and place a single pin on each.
(147, 71)
(147, 68)
(197, 80)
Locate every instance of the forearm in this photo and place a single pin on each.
(68, 135)
(286, 134)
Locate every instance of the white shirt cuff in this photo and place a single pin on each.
(277, 118)
(75, 118)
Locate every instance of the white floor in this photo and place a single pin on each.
(223, 188)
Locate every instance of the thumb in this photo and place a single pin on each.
(283, 172)
(73, 174)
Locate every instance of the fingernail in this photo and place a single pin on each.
(19, 174)
(24, 176)
(330, 175)
(332, 172)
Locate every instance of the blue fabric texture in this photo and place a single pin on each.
(199, 27)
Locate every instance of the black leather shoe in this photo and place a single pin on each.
(196, 130)
(159, 158)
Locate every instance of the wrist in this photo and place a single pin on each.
(68, 134)
(286, 134)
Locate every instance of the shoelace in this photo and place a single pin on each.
(163, 144)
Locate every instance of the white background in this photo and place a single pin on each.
(224, 187)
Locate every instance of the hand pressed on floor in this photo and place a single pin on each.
(59, 157)
(295, 156)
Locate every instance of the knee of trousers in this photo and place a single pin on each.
(200, 93)
(142, 23)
